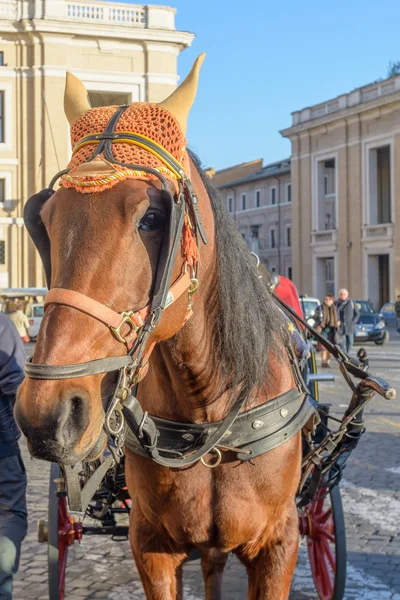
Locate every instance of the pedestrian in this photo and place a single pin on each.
(20, 320)
(13, 515)
(397, 311)
(328, 326)
(349, 315)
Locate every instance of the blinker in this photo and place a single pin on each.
(37, 230)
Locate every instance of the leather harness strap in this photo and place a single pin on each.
(135, 320)
(252, 433)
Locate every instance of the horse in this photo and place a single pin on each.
(226, 341)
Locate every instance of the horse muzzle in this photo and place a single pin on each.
(56, 435)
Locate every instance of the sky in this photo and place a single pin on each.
(267, 59)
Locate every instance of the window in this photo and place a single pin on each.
(289, 273)
(383, 181)
(273, 195)
(289, 193)
(273, 269)
(2, 117)
(2, 59)
(98, 98)
(272, 238)
(38, 311)
(324, 199)
(329, 222)
(258, 198)
(2, 190)
(2, 252)
(289, 237)
(380, 168)
(243, 201)
(255, 231)
(230, 203)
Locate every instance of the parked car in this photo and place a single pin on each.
(309, 305)
(371, 326)
(388, 312)
(36, 315)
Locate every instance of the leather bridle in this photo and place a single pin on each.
(132, 328)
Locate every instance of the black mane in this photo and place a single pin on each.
(249, 325)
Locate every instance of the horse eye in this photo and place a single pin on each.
(152, 221)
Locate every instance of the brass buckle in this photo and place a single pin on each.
(194, 286)
(126, 318)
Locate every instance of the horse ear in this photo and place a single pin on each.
(76, 99)
(180, 101)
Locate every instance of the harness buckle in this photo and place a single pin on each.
(126, 318)
(194, 286)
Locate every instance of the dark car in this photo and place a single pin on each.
(371, 326)
(388, 312)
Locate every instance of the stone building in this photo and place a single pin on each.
(122, 52)
(260, 203)
(346, 193)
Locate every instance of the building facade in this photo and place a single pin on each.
(261, 204)
(346, 194)
(122, 52)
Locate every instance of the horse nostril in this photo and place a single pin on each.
(77, 407)
(73, 419)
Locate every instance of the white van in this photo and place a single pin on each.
(35, 318)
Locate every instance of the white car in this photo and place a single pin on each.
(309, 305)
(36, 312)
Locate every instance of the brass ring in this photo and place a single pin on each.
(194, 285)
(217, 462)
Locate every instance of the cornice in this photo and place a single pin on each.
(358, 109)
(96, 30)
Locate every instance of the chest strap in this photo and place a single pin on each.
(253, 433)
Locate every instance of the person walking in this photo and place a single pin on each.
(328, 326)
(13, 514)
(20, 320)
(397, 311)
(349, 315)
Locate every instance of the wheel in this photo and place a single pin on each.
(60, 531)
(385, 339)
(323, 524)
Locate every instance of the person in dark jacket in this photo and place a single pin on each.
(13, 514)
(349, 315)
(397, 311)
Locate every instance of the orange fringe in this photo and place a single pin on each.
(189, 247)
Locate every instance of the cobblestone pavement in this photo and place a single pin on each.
(102, 568)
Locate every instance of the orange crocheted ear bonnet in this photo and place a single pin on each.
(150, 120)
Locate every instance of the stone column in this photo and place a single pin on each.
(395, 291)
(295, 181)
(304, 211)
(342, 226)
